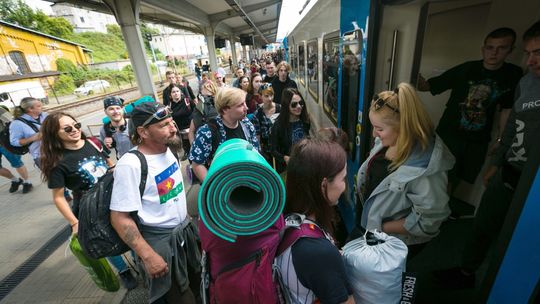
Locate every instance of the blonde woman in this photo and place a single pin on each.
(403, 183)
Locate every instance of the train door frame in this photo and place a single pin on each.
(314, 93)
(513, 275)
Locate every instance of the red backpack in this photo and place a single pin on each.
(240, 272)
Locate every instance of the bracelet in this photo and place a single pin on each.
(74, 224)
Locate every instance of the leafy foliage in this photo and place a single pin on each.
(105, 47)
(64, 85)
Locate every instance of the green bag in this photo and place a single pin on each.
(100, 271)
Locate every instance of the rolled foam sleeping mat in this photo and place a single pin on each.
(242, 194)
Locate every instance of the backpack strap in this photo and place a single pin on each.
(29, 123)
(214, 131)
(144, 169)
(293, 231)
(96, 143)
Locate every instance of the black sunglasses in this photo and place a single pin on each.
(379, 103)
(295, 104)
(70, 129)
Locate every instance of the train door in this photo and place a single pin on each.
(430, 37)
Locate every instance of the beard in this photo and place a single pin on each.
(174, 143)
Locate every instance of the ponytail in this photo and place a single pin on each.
(406, 113)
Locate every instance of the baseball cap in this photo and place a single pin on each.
(149, 113)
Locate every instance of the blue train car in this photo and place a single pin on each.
(342, 52)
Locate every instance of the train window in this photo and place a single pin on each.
(350, 85)
(330, 77)
(301, 64)
(294, 61)
(313, 69)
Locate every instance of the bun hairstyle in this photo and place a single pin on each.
(22, 108)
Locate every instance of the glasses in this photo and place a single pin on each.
(295, 104)
(379, 103)
(70, 129)
(159, 115)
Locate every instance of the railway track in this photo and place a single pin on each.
(95, 102)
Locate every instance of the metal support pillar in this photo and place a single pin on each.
(244, 53)
(233, 52)
(209, 35)
(127, 16)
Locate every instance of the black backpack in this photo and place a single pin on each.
(97, 236)
(5, 141)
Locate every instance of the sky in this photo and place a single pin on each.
(289, 17)
(42, 5)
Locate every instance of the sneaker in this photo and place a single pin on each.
(26, 187)
(15, 185)
(455, 278)
(128, 280)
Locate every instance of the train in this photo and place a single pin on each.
(342, 52)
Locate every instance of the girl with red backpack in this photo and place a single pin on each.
(311, 266)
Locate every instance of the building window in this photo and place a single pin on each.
(20, 61)
(82, 19)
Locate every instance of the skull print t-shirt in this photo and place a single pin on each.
(79, 170)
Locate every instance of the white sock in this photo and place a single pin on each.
(14, 179)
(26, 181)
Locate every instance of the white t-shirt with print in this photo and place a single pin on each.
(164, 201)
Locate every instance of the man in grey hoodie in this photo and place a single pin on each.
(502, 177)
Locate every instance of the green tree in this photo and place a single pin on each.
(17, 12)
(65, 65)
(56, 26)
(64, 85)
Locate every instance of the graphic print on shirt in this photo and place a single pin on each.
(167, 186)
(91, 169)
(474, 109)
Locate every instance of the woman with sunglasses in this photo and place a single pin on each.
(403, 184)
(253, 98)
(181, 106)
(292, 124)
(69, 159)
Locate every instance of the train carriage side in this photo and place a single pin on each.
(362, 47)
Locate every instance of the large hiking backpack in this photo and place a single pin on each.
(296, 228)
(96, 234)
(5, 137)
(243, 273)
(206, 108)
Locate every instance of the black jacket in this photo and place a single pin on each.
(279, 87)
(281, 143)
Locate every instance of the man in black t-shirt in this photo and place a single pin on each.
(478, 89)
(282, 81)
(270, 71)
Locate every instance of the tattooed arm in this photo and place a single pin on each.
(127, 229)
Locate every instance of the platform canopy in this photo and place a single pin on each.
(227, 18)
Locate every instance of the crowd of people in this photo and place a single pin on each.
(403, 186)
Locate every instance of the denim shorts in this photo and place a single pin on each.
(14, 159)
